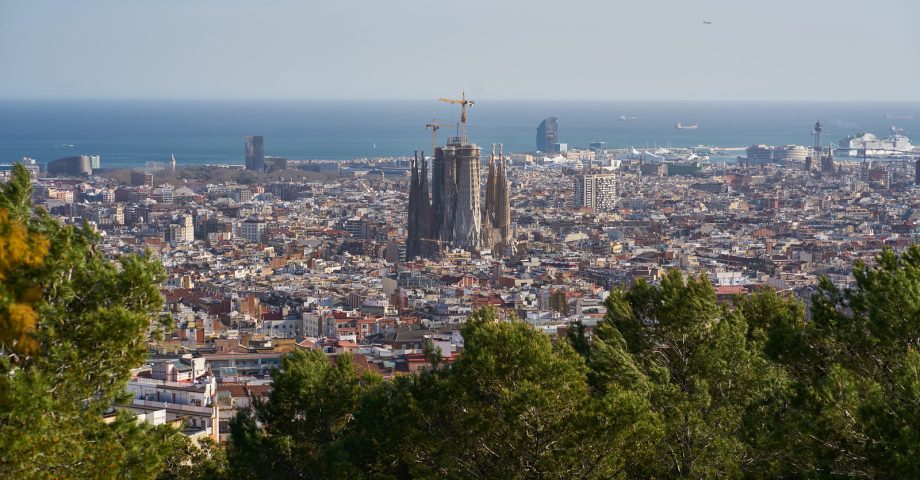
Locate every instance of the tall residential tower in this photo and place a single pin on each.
(596, 191)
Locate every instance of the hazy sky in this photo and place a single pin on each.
(534, 49)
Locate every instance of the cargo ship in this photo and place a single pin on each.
(691, 126)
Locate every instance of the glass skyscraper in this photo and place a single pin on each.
(548, 135)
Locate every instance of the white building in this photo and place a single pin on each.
(284, 328)
(252, 230)
(183, 231)
(196, 393)
(596, 191)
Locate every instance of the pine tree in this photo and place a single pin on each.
(304, 421)
(73, 325)
(691, 358)
(855, 407)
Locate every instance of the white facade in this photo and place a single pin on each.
(313, 324)
(286, 328)
(181, 393)
(853, 145)
(252, 230)
(781, 154)
(596, 191)
(183, 231)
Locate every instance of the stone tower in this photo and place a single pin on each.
(496, 225)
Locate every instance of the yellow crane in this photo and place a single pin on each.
(463, 102)
(434, 126)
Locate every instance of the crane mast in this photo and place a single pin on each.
(434, 126)
(464, 103)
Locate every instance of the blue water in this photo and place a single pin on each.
(132, 132)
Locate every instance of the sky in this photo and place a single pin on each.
(839, 50)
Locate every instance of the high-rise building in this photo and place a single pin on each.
(255, 153)
(172, 163)
(917, 172)
(596, 191)
(864, 169)
(818, 130)
(496, 216)
(141, 178)
(548, 135)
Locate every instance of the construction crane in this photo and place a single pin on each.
(434, 126)
(463, 102)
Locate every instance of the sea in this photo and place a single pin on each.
(130, 133)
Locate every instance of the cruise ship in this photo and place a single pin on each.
(866, 144)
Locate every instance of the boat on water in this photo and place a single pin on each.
(892, 116)
(867, 144)
(624, 118)
(691, 126)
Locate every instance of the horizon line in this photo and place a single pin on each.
(421, 99)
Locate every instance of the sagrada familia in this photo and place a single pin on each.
(447, 212)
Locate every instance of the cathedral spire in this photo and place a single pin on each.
(503, 239)
(413, 244)
(424, 210)
(488, 211)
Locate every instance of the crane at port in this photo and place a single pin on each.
(464, 103)
(434, 126)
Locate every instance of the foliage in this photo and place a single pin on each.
(512, 406)
(527, 411)
(72, 325)
(692, 359)
(20, 255)
(205, 461)
(304, 421)
(855, 409)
